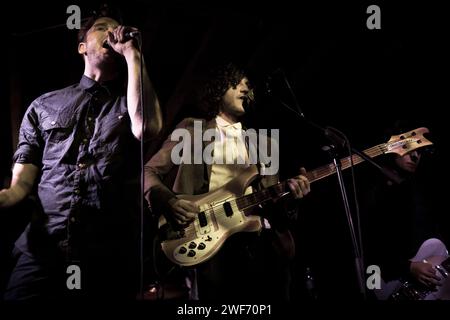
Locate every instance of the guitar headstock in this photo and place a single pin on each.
(408, 141)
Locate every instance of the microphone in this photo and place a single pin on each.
(248, 100)
(128, 36)
(132, 34)
(250, 95)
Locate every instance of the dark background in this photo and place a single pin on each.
(343, 75)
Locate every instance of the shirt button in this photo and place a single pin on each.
(73, 219)
(77, 191)
(89, 119)
(82, 165)
(53, 123)
(85, 140)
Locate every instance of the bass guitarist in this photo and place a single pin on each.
(250, 266)
(399, 217)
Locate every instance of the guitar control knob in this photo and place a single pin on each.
(192, 245)
(182, 250)
(191, 253)
(201, 246)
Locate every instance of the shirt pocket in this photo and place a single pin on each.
(56, 128)
(115, 125)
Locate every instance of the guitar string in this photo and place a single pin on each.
(324, 171)
(321, 172)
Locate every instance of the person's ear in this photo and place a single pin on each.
(82, 49)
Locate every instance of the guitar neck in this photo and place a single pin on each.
(281, 188)
(346, 163)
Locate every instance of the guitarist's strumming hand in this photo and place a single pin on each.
(183, 211)
(425, 273)
(299, 185)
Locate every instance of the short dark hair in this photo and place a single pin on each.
(217, 82)
(103, 11)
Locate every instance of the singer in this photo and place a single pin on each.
(80, 147)
(251, 266)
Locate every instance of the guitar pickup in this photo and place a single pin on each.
(203, 226)
(228, 209)
(202, 219)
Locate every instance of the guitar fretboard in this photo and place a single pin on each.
(346, 163)
(276, 190)
(261, 196)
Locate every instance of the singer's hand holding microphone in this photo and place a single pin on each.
(122, 39)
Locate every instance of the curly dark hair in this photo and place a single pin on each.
(218, 81)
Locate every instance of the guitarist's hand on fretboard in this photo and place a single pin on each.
(183, 211)
(424, 273)
(299, 185)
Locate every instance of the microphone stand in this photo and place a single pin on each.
(336, 143)
(331, 135)
(390, 174)
(142, 164)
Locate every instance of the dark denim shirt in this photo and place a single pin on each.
(80, 137)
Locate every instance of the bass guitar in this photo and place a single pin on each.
(227, 210)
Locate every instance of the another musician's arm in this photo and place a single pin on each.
(24, 177)
(158, 195)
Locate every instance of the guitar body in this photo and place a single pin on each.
(202, 238)
(434, 252)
